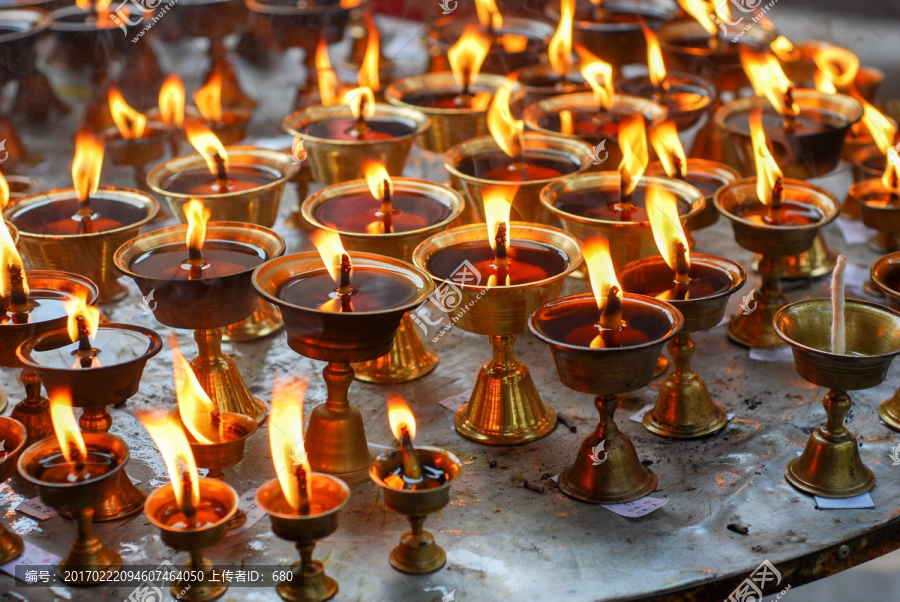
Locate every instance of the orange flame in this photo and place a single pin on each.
(376, 175)
(207, 144)
(399, 416)
(286, 436)
(368, 70)
(635, 155)
(78, 307)
(197, 216)
(884, 133)
(467, 55)
(505, 129)
(209, 98)
(668, 232)
(784, 49)
(767, 171)
(838, 65)
(488, 14)
(176, 453)
(665, 141)
(360, 100)
(601, 271)
(655, 62)
(497, 206)
(768, 79)
(566, 123)
(130, 122)
(87, 164)
(171, 101)
(329, 86)
(9, 256)
(331, 249)
(598, 74)
(99, 6)
(560, 48)
(4, 192)
(195, 407)
(703, 11)
(68, 435)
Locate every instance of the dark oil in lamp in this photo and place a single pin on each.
(604, 204)
(204, 514)
(23, 304)
(410, 473)
(364, 126)
(75, 462)
(586, 122)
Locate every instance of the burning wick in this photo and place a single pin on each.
(362, 128)
(611, 314)
(501, 259)
(221, 174)
(18, 300)
(412, 470)
(625, 206)
(774, 212)
(838, 333)
(303, 489)
(86, 351)
(679, 168)
(387, 209)
(75, 454)
(345, 290)
(790, 121)
(682, 279)
(190, 513)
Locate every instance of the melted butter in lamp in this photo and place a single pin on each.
(793, 213)
(377, 128)
(200, 182)
(45, 306)
(576, 323)
(529, 261)
(208, 512)
(374, 289)
(60, 216)
(602, 204)
(223, 258)
(56, 469)
(705, 280)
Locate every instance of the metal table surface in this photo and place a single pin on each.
(503, 541)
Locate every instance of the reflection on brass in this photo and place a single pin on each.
(830, 464)
(884, 275)
(12, 432)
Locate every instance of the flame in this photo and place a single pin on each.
(130, 122)
(784, 49)
(560, 48)
(209, 98)
(360, 99)
(4, 192)
(194, 405)
(884, 133)
(702, 11)
(768, 79)
(488, 14)
(9, 256)
(399, 416)
(497, 206)
(376, 174)
(207, 144)
(767, 171)
(635, 156)
(566, 123)
(467, 55)
(665, 141)
(347, 4)
(87, 164)
(598, 74)
(368, 70)
(600, 269)
(78, 306)
(328, 81)
(197, 216)
(837, 64)
(505, 129)
(286, 436)
(331, 249)
(662, 211)
(171, 101)
(822, 83)
(176, 453)
(65, 426)
(654, 57)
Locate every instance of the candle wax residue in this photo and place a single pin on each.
(792, 213)
(114, 346)
(223, 257)
(55, 469)
(46, 306)
(198, 181)
(208, 512)
(529, 261)
(432, 477)
(374, 290)
(358, 212)
(60, 216)
(575, 323)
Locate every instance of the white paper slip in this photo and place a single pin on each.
(845, 503)
(637, 508)
(134, 480)
(457, 401)
(274, 143)
(780, 354)
(555, 479)
(31, 556)
(254, 512)
(35, 508)
(854, 231)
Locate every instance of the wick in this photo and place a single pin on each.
(679, 169)
(790, 121)
(387, 208)
(221, 173)
(682, 278)
(611, 315)
(412, 470)
(76, 456)
(467, 81)
(85, 351)
(838, 333)
(345, 290)
(303, 489)
(501, 257)
(893, 197)
(774, 213)
(18, 300)
(84, 207)
(362, 128)
(624, 206)
(190, 512)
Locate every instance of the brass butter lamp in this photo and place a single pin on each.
(13, 436)
(885, 274)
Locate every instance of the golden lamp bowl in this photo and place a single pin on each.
(12, 432)
(799, 156)
(257, 205)
(336, 161)
(885, 273)
(191, 540)
(205, 303)
(711, 169)
(627, 240)
(337, 336)
(19, 188)
(879, 216)
(524, 195)
(90, 255)
(136, 152)
(449, 127)
(684, 117)
(237, 428)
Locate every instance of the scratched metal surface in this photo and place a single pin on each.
(502, 541)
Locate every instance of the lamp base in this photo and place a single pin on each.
(830, 465)
(198, 590)
(408, 359)
(111, 291)
(818, 261)
(753, 327)
(607, 469)
(11, 545)
(889, 410)
(125, 500)
(34, 410)
(265, 320)
(88, 551)
(505, 407)
(417, 553)
(309, 584)
(219, 377)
